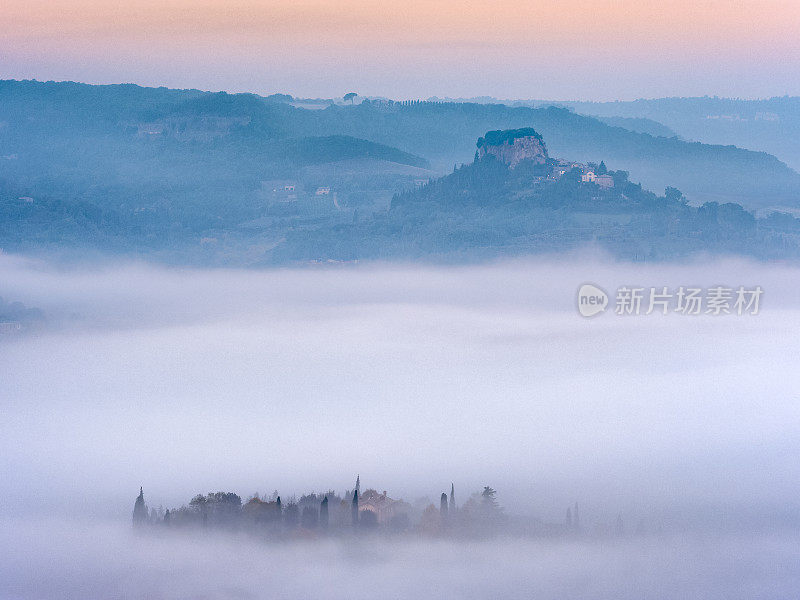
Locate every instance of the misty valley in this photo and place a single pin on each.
(429, 380)
(369, 346)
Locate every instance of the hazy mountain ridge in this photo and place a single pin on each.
(771, 125)
(640, 125)
(192, 176)
(441, 132)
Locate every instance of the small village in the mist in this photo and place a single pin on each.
(367, 512)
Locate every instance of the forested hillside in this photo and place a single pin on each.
(193, 176)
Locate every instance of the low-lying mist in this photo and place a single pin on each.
(103, 560)
(190, 381)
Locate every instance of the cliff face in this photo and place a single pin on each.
(513, 146)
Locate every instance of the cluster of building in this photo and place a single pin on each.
(279, 191)
(314, 515)
(329, 512)
(588, 173)
(514, 147)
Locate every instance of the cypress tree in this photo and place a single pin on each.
(323, 513)
(139, 510)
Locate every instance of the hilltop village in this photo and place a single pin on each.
(513, 147)
(353, 512)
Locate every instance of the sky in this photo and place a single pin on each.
(581, 50)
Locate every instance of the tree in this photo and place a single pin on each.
(431, 522)
(220, 508)
(309, 517)
(291, 515)
(255, 510)
(488, 500)
(350, 96)
(323, 513)
(482, 513)
(620, 178)
(367, 520)
(139, 510)
(354, 509)
(601, 169)
(399, 523)
(674, 195)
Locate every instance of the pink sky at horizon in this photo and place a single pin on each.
(587, 49)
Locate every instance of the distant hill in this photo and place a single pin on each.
(195, 176)
(639, 125)
(187, 159)
(64, 134)
(515, 199)
(492, 207)
(770, 125)
(314, 150)
(445, 133)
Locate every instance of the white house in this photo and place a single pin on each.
(604, 181)
(280, 191)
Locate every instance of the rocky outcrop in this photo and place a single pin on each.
(513, 146)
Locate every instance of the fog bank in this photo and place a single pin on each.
(187, 381)
(102, 560)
